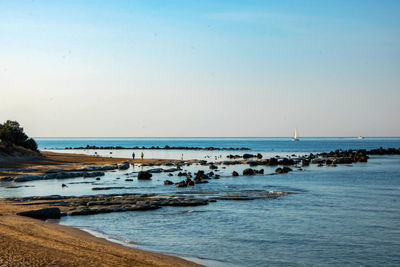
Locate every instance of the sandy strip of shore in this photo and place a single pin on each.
(65, 161)
(29, 242)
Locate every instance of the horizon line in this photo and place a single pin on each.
(350, 136)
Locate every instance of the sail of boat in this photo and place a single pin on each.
(295, 135)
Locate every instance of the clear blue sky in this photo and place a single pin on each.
(201, 68)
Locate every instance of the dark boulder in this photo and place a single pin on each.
(168, 182)
(181, 184)
(283, 170)
(6, 179)
(123, 166)
(43, 214)
(198, 180)
(253, 163)
(235, 173)
(248, 172)
(259, 172)
(142, 175)
(273, 161)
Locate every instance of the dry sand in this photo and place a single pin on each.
(30, 242)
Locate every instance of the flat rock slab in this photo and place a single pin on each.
(106, 203)
(43, 214)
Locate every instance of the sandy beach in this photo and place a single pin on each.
(66, 161)
(30, 242)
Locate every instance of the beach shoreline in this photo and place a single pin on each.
(27, 241)
(13, 166)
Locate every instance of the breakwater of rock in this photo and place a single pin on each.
(330, 159)
(56, 206)
(158, 148)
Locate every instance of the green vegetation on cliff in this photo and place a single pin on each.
(11, 133)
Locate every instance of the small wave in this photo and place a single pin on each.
(193, 211)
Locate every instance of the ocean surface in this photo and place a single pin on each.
(348, 215)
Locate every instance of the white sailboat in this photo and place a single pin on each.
(295, 136)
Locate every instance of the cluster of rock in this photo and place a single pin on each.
(57, 206)
(159, 148)
(200, 178)
(283, 170)
(329, 159)
(245, 156)
(384, 151)
(92, 171)
(250, 171)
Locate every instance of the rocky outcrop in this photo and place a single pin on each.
(59, 175)
(43, 214)
(94, 204)
(124, 166)
(167, 147)
(248, 171)
(6, 179)
(283, 170)
(143, 175)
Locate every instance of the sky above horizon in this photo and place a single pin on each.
(201, 68)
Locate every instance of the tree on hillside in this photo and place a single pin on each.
(12, 133)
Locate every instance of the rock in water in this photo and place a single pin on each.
(235, 173)
(283, 170)
(248, 172)
(43, 214)
(123, 166)
(144, 175)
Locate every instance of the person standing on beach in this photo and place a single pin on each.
(133, 155)
(142, 155)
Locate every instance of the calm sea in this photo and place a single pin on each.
(348, 215)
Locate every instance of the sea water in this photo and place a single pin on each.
(348, 215)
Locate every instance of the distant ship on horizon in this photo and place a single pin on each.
(360, 137)
(295, 136)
